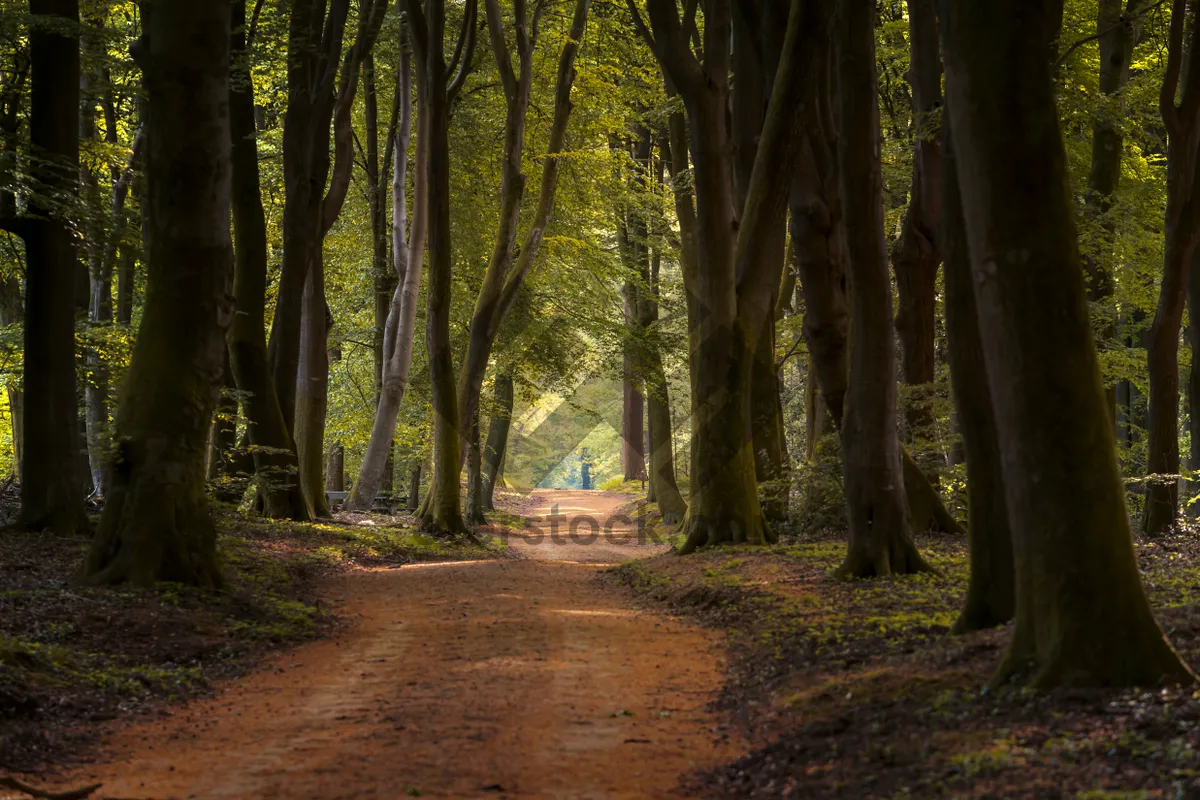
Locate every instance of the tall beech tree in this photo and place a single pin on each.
(497, 439)
(880, 538)
(991, 594)
(819, 245)
(1117, 25)
(917, 253)
(734, 283)
(312, 375)
(155, 525)
(1181, 118)
(439, 81)
(271, 447)
(408, 260)
(1081, 615)
(51, 470)
(507, 266)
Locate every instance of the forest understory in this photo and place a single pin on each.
(858, 689)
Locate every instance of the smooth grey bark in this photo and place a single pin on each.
(408, 258)
(314, 45)
(439, 83)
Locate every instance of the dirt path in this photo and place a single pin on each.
(522, 678)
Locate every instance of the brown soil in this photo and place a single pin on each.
(512, 678)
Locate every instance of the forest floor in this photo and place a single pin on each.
(533, 666)
(77, 661)
(856, 690)
(525, 676)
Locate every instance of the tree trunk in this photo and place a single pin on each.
(314, 44)
(1182, 230)
(475, 515)
(335, 469)
(633, 460)
(1117, 34)
(658, 417)
(276, 467)
(442, 511)
(507, 269)
(222, 436)
(408, 254)
(155, 524)
(312, 390)
(880, 540)
(51, 476)
(414, 487)
(497, 438)
(917, 255)
(1081, 615)
(991, 599)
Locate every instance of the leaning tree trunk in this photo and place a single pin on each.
(1081, 615)
(991, 595)
(497, 438)
(51, 474)
(155, 525)
(273, 452)
(880, 540)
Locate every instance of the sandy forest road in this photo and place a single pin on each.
(518, 678)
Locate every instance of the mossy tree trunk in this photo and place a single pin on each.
(52, 469)
(155, 525)
(880, 539)
(1082, 617)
